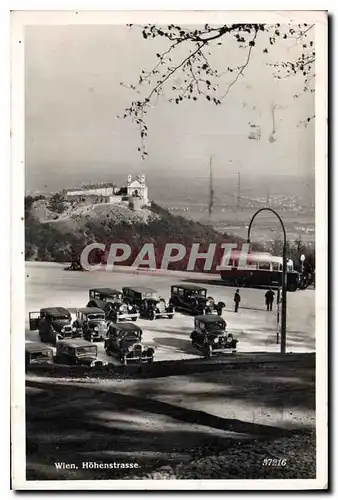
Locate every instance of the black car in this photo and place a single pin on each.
(92, 323)
(114, 305)
(53, 324)
(156, 308)
(195, 300)
(37, 353)
(77, 352)
(124, 341)
(210, 336)
(137, 294)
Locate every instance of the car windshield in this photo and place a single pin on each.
(61, 317)
(114, 296)
(90, 349)
(130, 336)
(198, 292)
(96, 316)
(40, 355)
(97, 322)
(149, 295)
(217, 325)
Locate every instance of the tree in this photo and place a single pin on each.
(57, 203)
(188, 54)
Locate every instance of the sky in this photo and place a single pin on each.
(74, 96)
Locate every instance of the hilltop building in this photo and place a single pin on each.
(135, 193)
(137, 189)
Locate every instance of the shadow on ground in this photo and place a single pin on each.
(96, 422)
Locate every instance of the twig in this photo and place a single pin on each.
(242, 68)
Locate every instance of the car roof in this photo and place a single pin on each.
(37, 346)
(189, 287)
(105, 291)
(88, 310)
(126, 327)
(140, 289)
(75, 342)
(209, 318)
(55, 311)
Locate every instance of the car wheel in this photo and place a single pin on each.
(239, 282)
(219, 311)
(208, 351)
(152, 315)
(123, 360)
(170, 316)
(150, 360)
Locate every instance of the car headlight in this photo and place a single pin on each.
(74, 329)
(216, 340)
(96, 329)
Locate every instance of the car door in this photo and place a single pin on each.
(34, 320)
(180, 297)
(143, 307)
(188, 300)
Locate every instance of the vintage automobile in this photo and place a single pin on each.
(156, 308)
(77, 352)
(91, 321)
(37, 353)
(124, 341)
(53, 324)
(210, 336)
(111, 301)
(194, 299)
(149, 304)
(135, 295)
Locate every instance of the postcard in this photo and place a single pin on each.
(169, 250)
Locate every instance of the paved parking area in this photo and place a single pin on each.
(47, 284)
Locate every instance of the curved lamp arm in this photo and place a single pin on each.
(267, 210)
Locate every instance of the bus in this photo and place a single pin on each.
(262, 270)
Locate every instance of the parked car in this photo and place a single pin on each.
(111, 301)
(210, 336)
(149, 304)
(91, 321)
(77, 352)
(124, 341)
(156, 308)
(135, 295)
(195, 300)
(37, 353)
(53, 324)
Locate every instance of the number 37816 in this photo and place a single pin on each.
(274, 462)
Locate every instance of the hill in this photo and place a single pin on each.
(54, 231)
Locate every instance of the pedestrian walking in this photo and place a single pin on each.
(269, 298)
(237, 299)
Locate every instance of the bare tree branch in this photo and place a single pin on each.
(241, 68)
(199, 77)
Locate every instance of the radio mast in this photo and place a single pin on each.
(211, 189)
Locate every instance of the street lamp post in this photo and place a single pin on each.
(284, 275)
